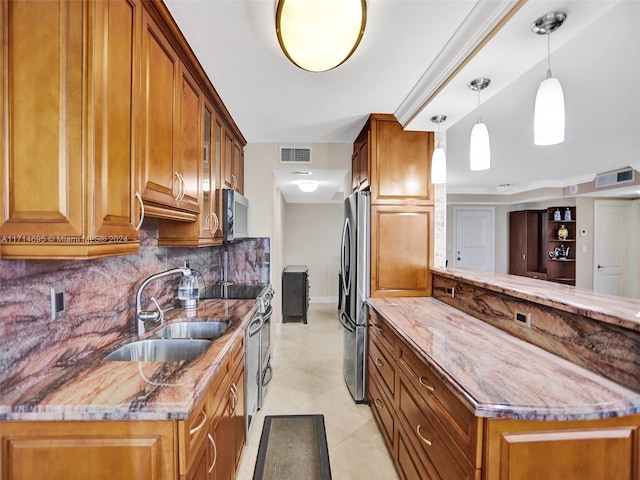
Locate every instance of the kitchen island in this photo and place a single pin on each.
(143, 420)
(459, 397)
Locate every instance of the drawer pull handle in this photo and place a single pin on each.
(379, 362)
(428, 442)
(203, 414)
(378, 404)
(215, 453)
(426, 385)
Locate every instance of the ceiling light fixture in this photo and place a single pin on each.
(320, 35)
(548, 120)
(308, 187)
(479, 144)
(438, 160)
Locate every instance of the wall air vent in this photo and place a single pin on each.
(295, 155)
(614, 178)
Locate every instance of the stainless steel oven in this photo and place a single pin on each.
(253, 373)
(266, 371)
(257, 339)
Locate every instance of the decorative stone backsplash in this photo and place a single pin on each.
(100, 298)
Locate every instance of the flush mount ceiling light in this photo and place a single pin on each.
(438, 160)
(308, 187)
(548, 120)
(479, 144)
(319, 35)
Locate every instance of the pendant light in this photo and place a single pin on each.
(438, 160)
(479, 144)
(319, 35)
(548, 120)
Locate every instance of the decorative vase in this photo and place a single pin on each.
(563, 233)
(567, 215)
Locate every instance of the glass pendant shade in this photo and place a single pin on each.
(548, 122)
(479, 148)
(320, 35)
(438, 166)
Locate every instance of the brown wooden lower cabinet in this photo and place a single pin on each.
(606, 449)
(432, 434)
(206, 446)
(77, 450)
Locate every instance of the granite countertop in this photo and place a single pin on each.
(498, 375)
(95, 389)
(621, 311)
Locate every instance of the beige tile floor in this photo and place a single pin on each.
(307, 362)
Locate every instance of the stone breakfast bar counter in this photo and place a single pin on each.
(503, 377)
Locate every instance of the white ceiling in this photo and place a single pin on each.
(408, 49)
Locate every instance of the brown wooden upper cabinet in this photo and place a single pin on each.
(207, 230)
(360, 161)
(233, 162)
(170, 129)
(69, 145)
(394, 162)
(396, 165)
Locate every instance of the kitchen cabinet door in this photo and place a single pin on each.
(69, 142)
(585, 450)
(189, 141)
(160, 66)
(75, 450)
(238, 414)
(223, 434)
(401, 250)
(117, 105)
(170, 115)
(400, 170)
(232, 162)
(206, 230)
(360, 161)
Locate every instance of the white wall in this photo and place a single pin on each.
(312, 238)
(269, 214)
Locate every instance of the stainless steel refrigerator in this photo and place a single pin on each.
(354, 265)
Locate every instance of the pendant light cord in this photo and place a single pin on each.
(548, 54)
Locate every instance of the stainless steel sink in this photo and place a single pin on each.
(159, 350)
(209, 330)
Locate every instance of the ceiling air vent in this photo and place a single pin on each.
(614, 178)
(295, 155)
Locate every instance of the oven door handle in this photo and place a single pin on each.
(268, 374)
(256, 326)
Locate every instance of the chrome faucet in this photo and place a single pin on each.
(143, 316)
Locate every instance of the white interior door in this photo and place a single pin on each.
(612, 220)
(474, 238)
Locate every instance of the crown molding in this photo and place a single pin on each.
(482, 23)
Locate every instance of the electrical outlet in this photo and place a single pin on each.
(58, 309)
(524, 318)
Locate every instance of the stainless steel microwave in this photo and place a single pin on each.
(235, 215)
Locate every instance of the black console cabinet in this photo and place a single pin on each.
(295, 292)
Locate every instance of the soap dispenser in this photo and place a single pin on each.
(188, 290)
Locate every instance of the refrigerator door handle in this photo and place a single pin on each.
(346, 322)
(346, 276)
